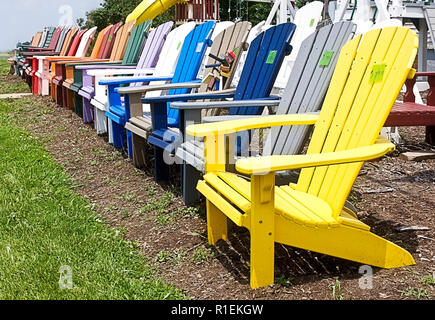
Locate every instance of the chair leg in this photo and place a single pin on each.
(217, 224)
(430, 135)
(109, 129)
(138, 150)
(262, 230)
(118, 135)
(190, 177)
(78, 105)
(88, 111)
(129, 144)
(100, 121)
(161, 169)
(59, 95)
(44, 87)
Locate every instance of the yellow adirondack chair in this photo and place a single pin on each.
(310, 214)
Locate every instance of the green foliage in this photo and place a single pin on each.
(168, 15)
(111, 12)
(254, 12)
(114, 11)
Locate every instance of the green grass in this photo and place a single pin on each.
(9, 84)
(44, 226)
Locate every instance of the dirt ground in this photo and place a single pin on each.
(388, 194)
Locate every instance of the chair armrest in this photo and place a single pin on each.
(106, 63)
(225, 104)
(127, 80)
(80, 61)
(232, 126)
(40, 52)
(115, 70)
(267, 164)
(190, 96)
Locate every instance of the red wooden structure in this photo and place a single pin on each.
(197, 10)
(410, 113)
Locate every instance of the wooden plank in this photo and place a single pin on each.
(399, 61)
(417, 156)
(317, 86)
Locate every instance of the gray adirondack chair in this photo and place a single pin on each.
(304, 93)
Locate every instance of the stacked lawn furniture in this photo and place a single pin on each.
(72, 49)
(142, 50)
(265, 56)
(78, 47)
(22, 46)
(37, 43)
(57, 41)
(45, 44)
(82, 84)
(77, 52)
(63, 80)
(305, 90)
(126, 50)
(94, 110)
(33, 61)
(226, 36)
(54, 39)
(41, 63)
(189, 53)
(310, 214)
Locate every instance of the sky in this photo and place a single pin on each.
(21, 19)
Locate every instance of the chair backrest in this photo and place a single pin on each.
(153, 46)
(108, 33)
(219, 28)
(111, 36)
(170, 53)
(121, 40)
(55, 38)
(369, 75)
(70, 36)
(36, 39)
(99, 43)
(307, 84)
(76, 42)
(189, 61)
(231, 38)
(87, 38)
(136, 43)
(43, 37)
(62, 39)
(265, 56)
(306, 21)
(49, 36)
(253, 33)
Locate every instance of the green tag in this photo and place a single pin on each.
(311, 22)
(179, 44)
(271, 57)
(377, 73)
(326, 58)
(110, 39)
(236, 51)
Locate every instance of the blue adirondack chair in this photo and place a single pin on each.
(189, 62)
(265, 56)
